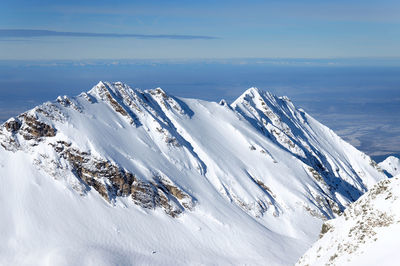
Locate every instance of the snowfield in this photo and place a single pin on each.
(391, 165)
(365, 234)
(120, 176)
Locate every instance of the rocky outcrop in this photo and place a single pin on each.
(32, 128)
(67, 102)
(28, 127)
(12, 125)
(111, 181)
(117, 102)
(7, 134)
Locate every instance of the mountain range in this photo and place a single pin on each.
(118, 176)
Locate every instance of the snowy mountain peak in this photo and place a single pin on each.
(254, 91)
(391, 165)
(143, 154)
(252, 94)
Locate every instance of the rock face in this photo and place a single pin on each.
(26, 126)
(391, 166)
(251, 167)
(110, 181)
(358, 235)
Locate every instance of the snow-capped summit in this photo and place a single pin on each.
(391, 165)
(120, 175)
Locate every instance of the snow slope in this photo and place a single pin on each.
(123, 176)
(391, 165)
(366, 234)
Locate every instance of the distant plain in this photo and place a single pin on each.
(358, 99)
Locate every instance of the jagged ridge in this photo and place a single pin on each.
(259, 158)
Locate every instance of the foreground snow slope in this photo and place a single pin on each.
(365, 234)
(391, 165)
(123, 176)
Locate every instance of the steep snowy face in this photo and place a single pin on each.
(365, 234)
(65, 137)
(342, 170)
(391, 165)
(258, 172)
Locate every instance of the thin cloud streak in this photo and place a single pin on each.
(27, 33)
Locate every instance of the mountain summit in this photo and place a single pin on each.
(391, 165)
(123, 176)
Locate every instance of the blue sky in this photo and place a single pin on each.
(198, 29)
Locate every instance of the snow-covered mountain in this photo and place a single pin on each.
(367, 233)
(391, 165)
(123, 176)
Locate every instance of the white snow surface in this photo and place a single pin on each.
(391, 165)
(262, 176)
(366, 234)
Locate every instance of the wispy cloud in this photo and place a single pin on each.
(334, 11)
(13, 40)
(28, 33)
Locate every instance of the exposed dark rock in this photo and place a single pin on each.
(265, 187)
(67, 102)
(111, 181)
(34, 129)
(316, 175)
(325, 228)
(12, 125)
(116, 102)
(88, 97)
(376, 166)
(27, 126)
